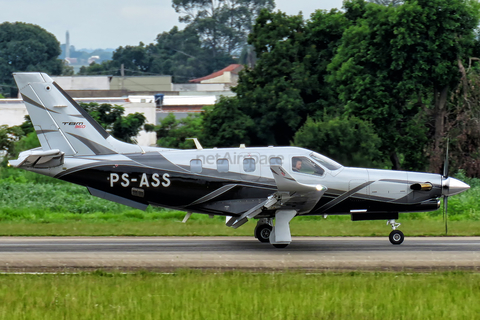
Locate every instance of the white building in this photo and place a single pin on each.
(13, 112)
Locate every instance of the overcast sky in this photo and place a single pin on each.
(110, 24)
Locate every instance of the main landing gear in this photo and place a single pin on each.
(279, 234)
(263, 229)
(396, 236)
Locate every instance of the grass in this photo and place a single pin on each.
(234, 295)
(31, 204)
(216, 227)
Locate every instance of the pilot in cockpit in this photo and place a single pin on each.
(297, 165)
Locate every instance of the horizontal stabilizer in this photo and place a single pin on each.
(38, 158)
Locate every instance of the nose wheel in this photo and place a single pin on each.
(396, 236)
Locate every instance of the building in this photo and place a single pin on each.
(113, 86)
(13, 112)
(138, 94)
(227, 76)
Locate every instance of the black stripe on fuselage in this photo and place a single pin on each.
(174, 190)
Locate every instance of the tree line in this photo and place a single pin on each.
(384, 86)
(383, 83)
(215, 36)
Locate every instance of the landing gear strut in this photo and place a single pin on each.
(396, 236)
(279, 235)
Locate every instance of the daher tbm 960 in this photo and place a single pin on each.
(270, 184)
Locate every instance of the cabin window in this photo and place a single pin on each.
(196, 166)
(306, 165)
(276, 161)
(249, 165)
(222, 165)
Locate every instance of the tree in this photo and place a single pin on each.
(226, 125)
(367, 85)
(182, 55)
(67, 70)
(388, 64)
(135, 60)
(223, 25)
(26, 47)
(177, 53)
(106, 67)
(387, 2)
(348, 140)
(111, 118)
(287, 83)
(173, 133)
(8, 137)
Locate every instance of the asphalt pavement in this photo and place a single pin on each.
(165, 254)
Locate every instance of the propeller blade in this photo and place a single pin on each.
(445, 214)
(445, 198)
(445, 165)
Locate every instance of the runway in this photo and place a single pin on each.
(57, 254)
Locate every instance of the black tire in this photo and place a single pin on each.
(280, 245)
(396, 237)
(262, 232)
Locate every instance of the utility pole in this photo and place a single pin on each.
(122, 74)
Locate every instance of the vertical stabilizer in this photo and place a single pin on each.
(60, 123)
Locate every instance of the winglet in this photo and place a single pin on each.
(285, 182)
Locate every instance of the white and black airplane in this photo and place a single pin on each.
(269, 184)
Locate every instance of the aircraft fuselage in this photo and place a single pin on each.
(164, 178)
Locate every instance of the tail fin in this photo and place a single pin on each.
(60, 123)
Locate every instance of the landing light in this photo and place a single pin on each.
(319, 187)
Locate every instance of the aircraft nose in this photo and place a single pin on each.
(453, 186)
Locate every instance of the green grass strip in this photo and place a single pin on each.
(216, 227)
(197, 295)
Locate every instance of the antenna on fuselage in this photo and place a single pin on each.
(197, 143)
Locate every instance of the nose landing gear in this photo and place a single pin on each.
(396, 236)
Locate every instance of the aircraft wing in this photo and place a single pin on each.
(291, 194)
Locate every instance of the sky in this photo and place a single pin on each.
(109, 24)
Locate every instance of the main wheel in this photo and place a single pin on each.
(262, 232)
(280, 245)
(396, 237)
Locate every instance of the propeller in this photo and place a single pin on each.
(445, 197)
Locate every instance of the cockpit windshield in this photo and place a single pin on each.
(306, 165)
(326, 162)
